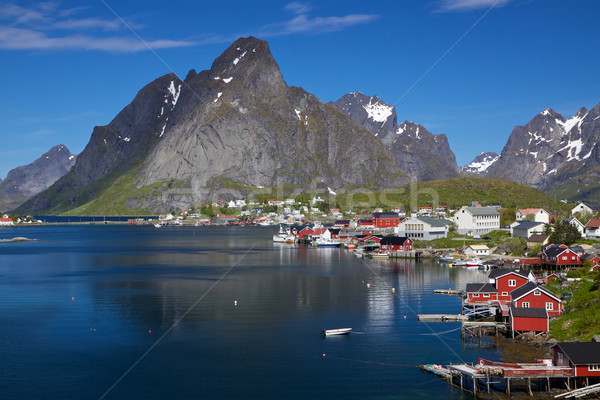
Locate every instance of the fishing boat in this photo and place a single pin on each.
(322, 242)
(447, 259)
(334, 332)
(473, 262)
(379, 255)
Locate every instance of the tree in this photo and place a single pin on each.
(565, 233)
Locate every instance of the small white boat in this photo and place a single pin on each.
(322, 242)
(379, 255)
(333, 332)
(157, 225)
(447, 259)
(473, 262)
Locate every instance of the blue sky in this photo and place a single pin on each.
(472, 69)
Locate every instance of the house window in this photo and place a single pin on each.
(549, 306)
(525, 304)
(560, 358)
(564, 258)
(504, 293)
(594, 367)
(536, 292)
(512, 282)
(486, 295)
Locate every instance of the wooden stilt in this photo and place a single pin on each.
(548, 384)
(508, 386)
(529, 387)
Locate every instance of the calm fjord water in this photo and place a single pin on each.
(82, 305)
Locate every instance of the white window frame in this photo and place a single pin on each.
(525, 304)
(512, 282)
(537, 292)
(550, 306)
(486, 295)
(504, 293)
(594, 367)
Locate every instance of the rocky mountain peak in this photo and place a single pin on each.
(247, 61)
(481, 163)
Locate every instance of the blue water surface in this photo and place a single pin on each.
(137, 312)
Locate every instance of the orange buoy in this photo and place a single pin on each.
(73, 298)
(149, 330)
(368, 285)
(323, 354)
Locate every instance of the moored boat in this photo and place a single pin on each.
(447, 259)
(322, 242)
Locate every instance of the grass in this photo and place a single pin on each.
(581, 320)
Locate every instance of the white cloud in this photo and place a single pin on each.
(30, 28)
(468, 5)
(297, 7)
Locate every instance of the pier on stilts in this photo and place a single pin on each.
(486, 376)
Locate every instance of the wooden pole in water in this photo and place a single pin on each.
(529, 387)
(508, 386)
(548, 386)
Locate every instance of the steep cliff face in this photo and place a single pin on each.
(549, 150)
(419, 153)
(26, 181)
(238, 122)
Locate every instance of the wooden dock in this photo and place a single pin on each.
(441, 317)
(484, 375)
(451, 292)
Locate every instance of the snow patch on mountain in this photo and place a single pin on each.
(481, 163)
(378, 111)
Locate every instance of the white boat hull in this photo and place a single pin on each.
(336, 332)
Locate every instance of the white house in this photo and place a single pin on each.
(475, 221)
(477, 250)
(526, 228)
(423, 228)
(586, 207)
(539, 214)
(577, 224)
(6, 221)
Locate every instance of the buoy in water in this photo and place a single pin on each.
(235, 302)
(323, 354)
(405, 317)
(368, 285)
(149, 330)
(72, 298)
(394, 289)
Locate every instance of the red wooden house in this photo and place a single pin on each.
(396, 243)
(305, 233)
(365, 224)
(560, 255)
(528, 320)
(584, 357)
(342, 223)
(507, 280)
(386, 220)
(592, 258)
(369, 240)
(481, 292)
(531, 295)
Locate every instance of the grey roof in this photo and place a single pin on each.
(581, 352)
(527, 225)
(385, 215)
(482, 210)
(498, 272)
(528, 312)
(438, 222)
(529, 287)
(481, 288)
(592, 205)
(537, 238)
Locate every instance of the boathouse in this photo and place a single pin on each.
(531, 295)
(507, 280)
(523, 320)
(560, 255)
(584, 357)
(481, 292)
(396, 243)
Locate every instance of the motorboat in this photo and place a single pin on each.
(334, 332)
(322, 242)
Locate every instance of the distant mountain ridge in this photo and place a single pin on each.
(419, 153)
(551, 151)
(23, 182)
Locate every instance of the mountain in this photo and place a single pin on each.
(419, 153)
(26, 181)
(481, 163)
(372, 113)
(220, 133)
(551, 152)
